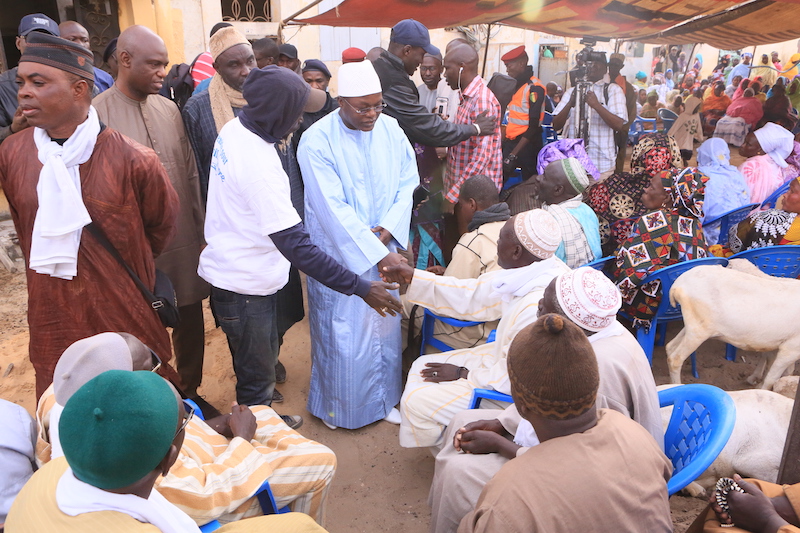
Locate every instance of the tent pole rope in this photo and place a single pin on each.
(486, 50)
(309, 6)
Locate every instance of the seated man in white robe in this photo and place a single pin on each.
(560, 189)
(440, 385)
(481, 212)
(492, 437)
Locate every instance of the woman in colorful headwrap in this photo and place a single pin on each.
(766, 149)
(794, 61)
(640, 80)
(740, 118)
(617, 201)
(770, 228)
(778, 108)
(726, 188)
(740, 89)
(669, 233)
(714, 107)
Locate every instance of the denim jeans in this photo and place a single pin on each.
(250, 323)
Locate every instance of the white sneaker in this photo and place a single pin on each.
(330, 426)
(393, 417)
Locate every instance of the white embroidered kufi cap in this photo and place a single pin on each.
(358, 79)
(538, 231)
(588, 298)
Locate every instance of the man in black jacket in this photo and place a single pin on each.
(408, 44)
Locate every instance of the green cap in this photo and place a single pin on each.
(117, 427)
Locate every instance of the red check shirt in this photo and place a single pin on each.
(476, 155)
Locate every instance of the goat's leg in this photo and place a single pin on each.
(679, 349)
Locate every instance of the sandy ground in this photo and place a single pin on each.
(379, 486)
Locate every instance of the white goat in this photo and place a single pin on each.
(742, 306)
(756, 444)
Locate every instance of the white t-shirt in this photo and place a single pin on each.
(248, 200)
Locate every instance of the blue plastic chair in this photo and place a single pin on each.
(638, 128)
(548, 132)
(428, 322)
(772, 199)
(667, 117)
(264, 493)
(600, 264)
(782, 261)
(730, 219)
(489, 394)
(665, 312)
(702, 421)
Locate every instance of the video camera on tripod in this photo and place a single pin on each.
(583, 84)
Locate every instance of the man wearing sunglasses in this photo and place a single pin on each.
(221, 463)
(360, 174)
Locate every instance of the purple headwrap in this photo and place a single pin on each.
(563, 149)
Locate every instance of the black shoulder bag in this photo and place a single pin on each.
(163, 301)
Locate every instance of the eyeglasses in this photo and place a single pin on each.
(156, 361)
(364, 110)
(188, 413)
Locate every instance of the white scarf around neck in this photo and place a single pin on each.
(74, 497)
(62, 214)
(518, 282)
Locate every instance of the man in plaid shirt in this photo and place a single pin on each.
(476, 155)
(607, 112)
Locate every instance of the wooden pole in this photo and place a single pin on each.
(486, 50)
(293, 15)
(789, 471)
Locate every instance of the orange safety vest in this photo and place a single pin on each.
(519, 108)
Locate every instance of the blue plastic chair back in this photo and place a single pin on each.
(489, 394)
(197, 412)
(428, 322)
(211, 526)
(667, 118)
(729, 220)
(702, 421)
(548, 132)
(782, 261)
(640, 126)
(513, 179)
(772, 199)
(600, 264)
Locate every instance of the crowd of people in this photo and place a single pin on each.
(132, 208)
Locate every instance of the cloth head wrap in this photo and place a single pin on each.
(641, 75)
(59, 53)
(588, 298)
(652, 93)
(553, 369)
(86, 359)
(777, 141)
(655, 152)
(686, 189)
(358, 79)
(117, 427)
(538, 232)
(575, 173)
(276, 97)
(564, 148)
(225, 39)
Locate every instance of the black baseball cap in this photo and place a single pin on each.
(413, 33)
(288, 50)
(38, 22)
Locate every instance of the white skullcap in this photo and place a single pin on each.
(777, 141)
(588, 298)
(538, 232)
(358, 79)
(576, 174)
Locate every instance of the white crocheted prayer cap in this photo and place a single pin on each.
(588, 298)
(538, 231)
(358, 79)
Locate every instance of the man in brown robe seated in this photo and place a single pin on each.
(133, 107)
(594, 470)
(65, 172)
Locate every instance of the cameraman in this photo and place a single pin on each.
(606, 110)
